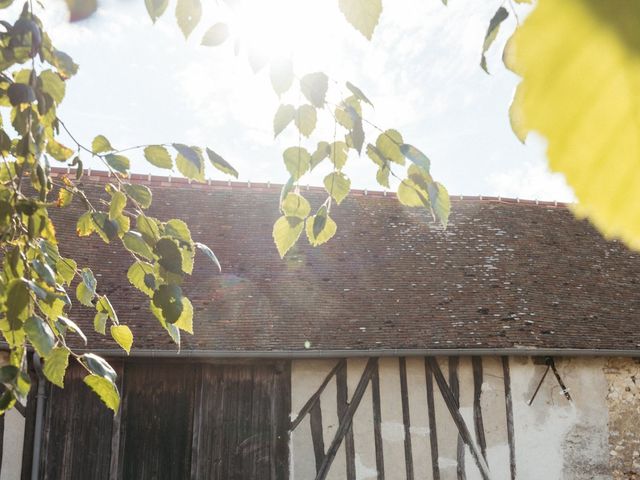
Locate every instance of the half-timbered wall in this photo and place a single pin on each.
(404, 426)
(403, 418)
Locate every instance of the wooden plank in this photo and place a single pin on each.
(506, 375)
(347, 419)
(343, 402)
(159, 402)
(433, 431)
(455, 389)
(406, 418)
(315, 419)
(244, 418)
(29, 427)
(476, 365)
(316, 396)
(454, 409)
(77, 431)
(114, 464)
(377, 421)
(197, 424)
(280, 415)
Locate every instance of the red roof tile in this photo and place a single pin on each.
(504, 275)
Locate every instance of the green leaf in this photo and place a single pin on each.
(185, 322)
(388, 145)
(281, 75)
(178, 230)
(106, 228)
(8, 373)
(295, 205)
(55, 365)
(168, 298)
(100, 144)
(139, 193)
(99, 366)
(416, 156)
(81, 9)
(58, 151)
(19, 94)
(283, 117)
(440, 202)
(216, 35)
(134, 242)
(363, 15)
(314, 86)
(338, 186)
(412, 195)
(85, 225)
(338, 154)
(66, 268)
(209, 253)
(356, 136)
(492, 32)
(221, 164)
(169, 256)
(323, 150)
(320, 227)
(119, 163)
(104, 305)
(65, 198)
(580, 74)
(297, 160)
(148, 227)
(358, 93)
(84, 296)
(156, 8)
(382, 176)
(306, 119)
(40, 335)
(63, 323)
(106, 390)
(189, 162)
(188, 13)
(118, 202)
(286, 232)
(137, 275)
(100, 322)
(158, 156)
(53, 85)
(123, 336)
(18, 303)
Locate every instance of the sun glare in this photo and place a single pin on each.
(304, 29)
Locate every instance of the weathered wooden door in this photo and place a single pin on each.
(178, 420)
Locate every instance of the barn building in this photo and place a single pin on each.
(504, 347)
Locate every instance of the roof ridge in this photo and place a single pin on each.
(169, 181)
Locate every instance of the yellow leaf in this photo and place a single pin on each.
(123, 336)
(325, 234)
(363, 15)
(580, 64)
(185, 321)
(286, 232)
(105, 389)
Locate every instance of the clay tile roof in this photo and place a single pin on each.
(505, 275)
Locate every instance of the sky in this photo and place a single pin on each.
(141, 83)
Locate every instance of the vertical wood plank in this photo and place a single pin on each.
(197, 423)
(77, 431)
(476, 365)
(406, 418)
(114, 464)
(455, 389)
(281, 418)
(377, 421)
(29, 427)
(343, 402)
(433, 431)
(159, 402)
(506, 374)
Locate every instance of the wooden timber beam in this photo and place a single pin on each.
(454, 410)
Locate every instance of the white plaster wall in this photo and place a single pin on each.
(12, 445)
(554, 438)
